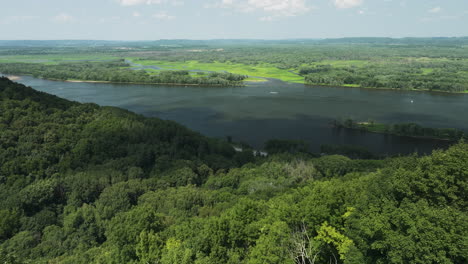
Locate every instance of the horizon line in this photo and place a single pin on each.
(263, 39)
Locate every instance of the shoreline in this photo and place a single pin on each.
(253, 82)
(13, 77)
(143, 83)
(263, 81)
(245, 83)
(17, 77)
(367, 130)
(387, 89)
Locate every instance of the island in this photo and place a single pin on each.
(403, 129)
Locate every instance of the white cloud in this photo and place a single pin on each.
(347, 3)
(434, 10)
(139, 2)
(63, 18)
(274, 7)
(266, 19)
(163, 15)
(149, 2)
(177, 3)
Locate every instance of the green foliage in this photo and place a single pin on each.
(119, 197)
(354, 152)
(20, 246)
(38, 194)
(333, 165)
(148, 249)
(84, 227)
(272, 246)
(275, 146)
(129, 229)
(117, 72)
(330, 235)
(9, 223)
(403, 74)
(174, 252)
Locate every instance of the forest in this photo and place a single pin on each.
(81, 183)
(422, 64)
(118, 72)
(449, 77)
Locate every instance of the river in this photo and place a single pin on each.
(274, 109)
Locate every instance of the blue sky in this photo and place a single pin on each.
(210, 19)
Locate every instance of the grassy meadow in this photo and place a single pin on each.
(255, 72)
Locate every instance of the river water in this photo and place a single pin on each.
(274, 109)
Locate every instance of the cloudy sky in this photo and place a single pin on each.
(210, 19)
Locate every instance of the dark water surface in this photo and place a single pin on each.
(275, 109)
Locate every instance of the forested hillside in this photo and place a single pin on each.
(80, 183)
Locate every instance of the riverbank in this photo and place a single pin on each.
(144, 83)
(13, 77)
(261, 80)
(386, 89)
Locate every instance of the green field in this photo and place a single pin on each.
(263, 70)
(255, 79)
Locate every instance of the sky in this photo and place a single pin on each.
(230, 19)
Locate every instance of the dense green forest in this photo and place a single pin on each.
(118, 72)
(80, 183)
(403, 75)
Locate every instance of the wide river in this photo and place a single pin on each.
(274, 109)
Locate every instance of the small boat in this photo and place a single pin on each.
(274, 92)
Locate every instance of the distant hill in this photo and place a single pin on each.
(434, 41)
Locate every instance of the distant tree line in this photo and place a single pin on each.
(450, 77)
